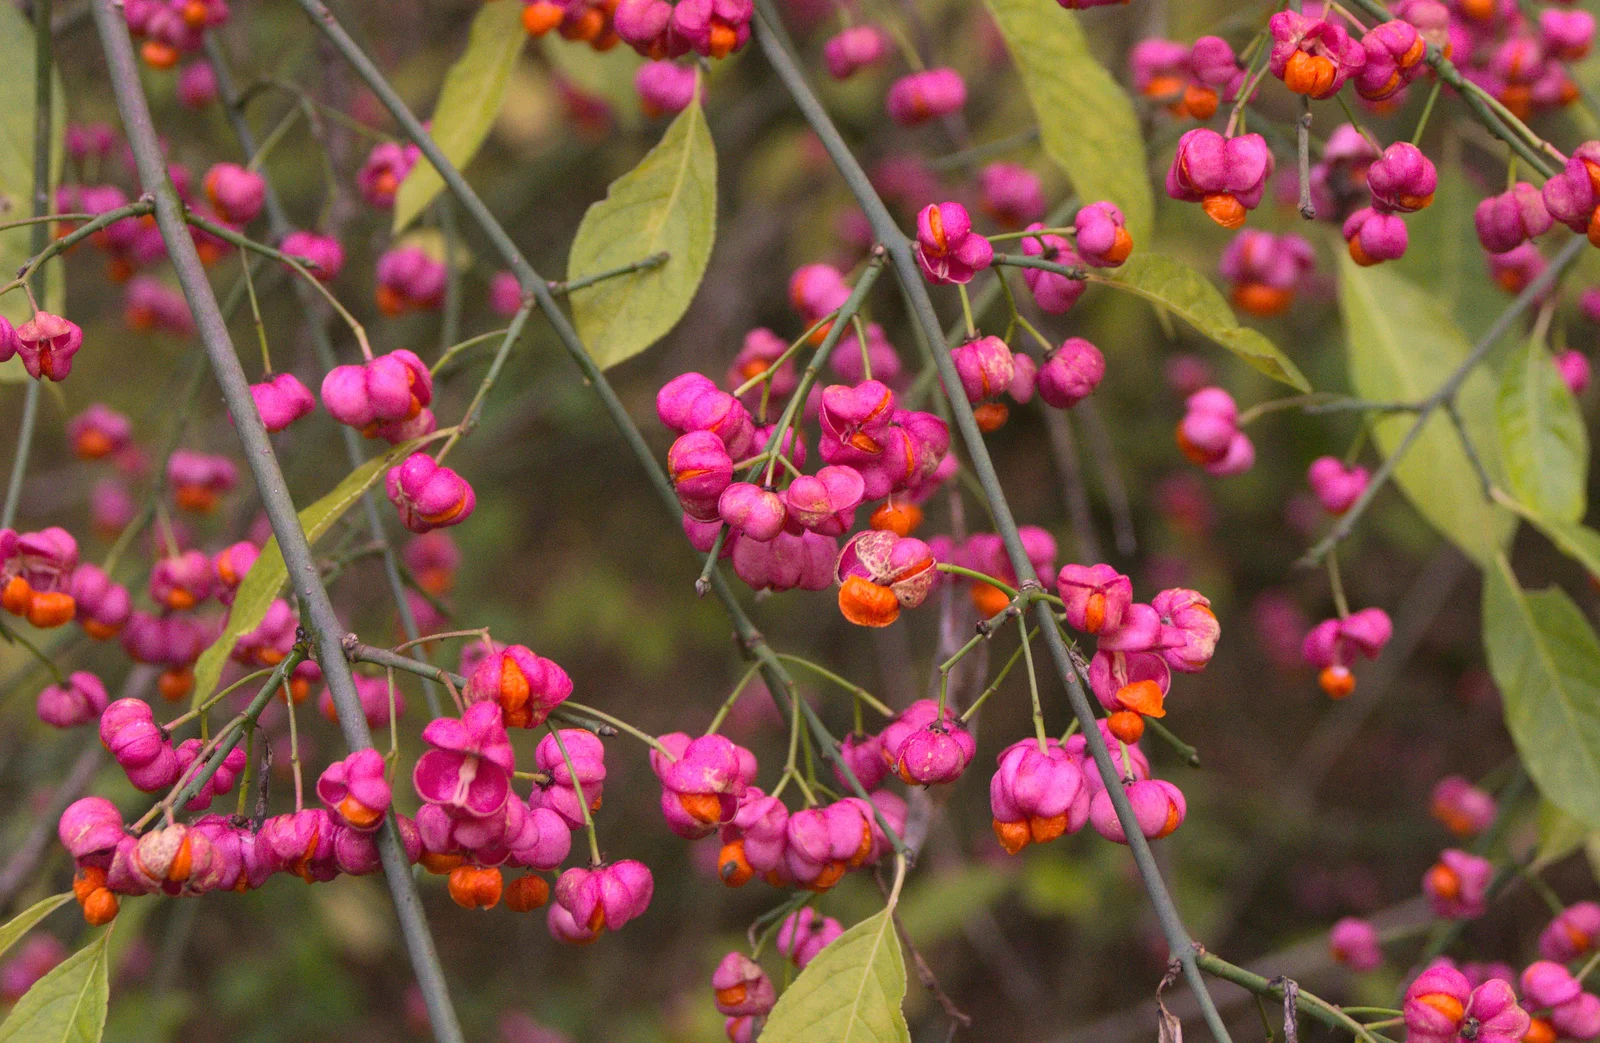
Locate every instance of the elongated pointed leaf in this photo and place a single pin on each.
(1174, 286)
(473, 92)
(268, 574)
(68, 1005)
(1542, 436)
(25, 921)
(1545, 659)
(1401, 346)
(851, 992)
(1087, 122)
(668, 203)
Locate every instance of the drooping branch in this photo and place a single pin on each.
(302, 570)
(898, 246)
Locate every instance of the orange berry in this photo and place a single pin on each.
(1142, 697)
(1337, 681)
(159, 55)
(474, 887)
(92, 445)
(539, 18)
(831, 874)
(1200, 102)
(1013, 836)
(1443, 881)
(732, 867)
(902, 519)
(585, 27)
(16, 596)
(1540, 1031)
(527, 893)
(87, 881)
(866, 604)
(100, 908)
(702, 807)
(733, 995)
(1259, 299)
(1126, 725)
(196, 499)
(1445, 1004)
(194, 14)
(438, 864)
(390, 302)
(1044, 830)
(991, 416)
(1308, 74)
(990, 599)
(176, 683)
(1359, 255)
(51, 608)
(1224, 209)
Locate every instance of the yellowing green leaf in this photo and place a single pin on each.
(1175, 287)
(473, 91)
(68, 1005)
(851, 992)
(1542, 436)
(268, 574)
(24, 921)
(668, 203)
(1087, 124)
(1545, 659)
(1401, 346)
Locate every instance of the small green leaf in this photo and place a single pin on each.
(473, 92)
(1172, 285)
(1542, 436)
(1545, 659)
(1087, 123)
(666, 203)
(851, 992)
(68, 1005)
(25, 921)
(1401, 346)
(268, 574)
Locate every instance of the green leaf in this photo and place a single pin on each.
(16, 171)
(666, 203)
(1087, 123)
(1401, 346)
(68, 1005)
(473, 91)
(267, 576)
(1175, 287)
(851, 992)
(1545, 659)
(25, 921)
(1542, 436)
